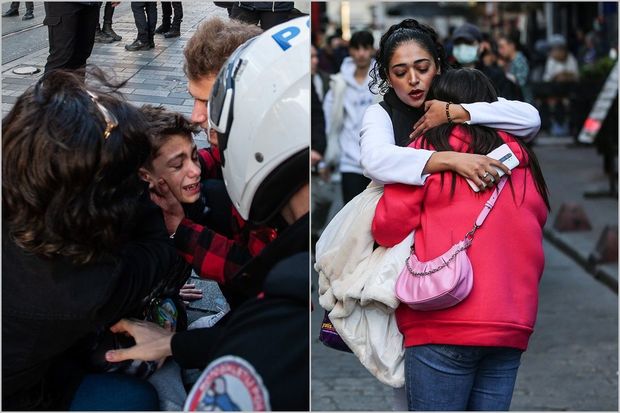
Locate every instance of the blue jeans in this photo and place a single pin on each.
(110, 391)
(446, 377)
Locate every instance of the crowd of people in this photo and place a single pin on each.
(107, 207)
(536, 74)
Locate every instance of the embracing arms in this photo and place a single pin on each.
(385, 162)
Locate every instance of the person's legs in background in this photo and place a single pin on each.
(29, 11)
(71, 32)
(166, 13)
(108, 13)
(100, 36)
(175, 27)
(151, 20)
(87, 18)
(139, 14)
(13, 10)
(352, 185)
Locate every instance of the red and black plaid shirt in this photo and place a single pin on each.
(213, 255)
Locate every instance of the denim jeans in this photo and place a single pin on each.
(110, 391)
(447, 377)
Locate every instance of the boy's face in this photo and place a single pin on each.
(177, 163)
(362, 56)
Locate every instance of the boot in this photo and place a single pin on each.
(29, 15)
(11, 12)
(164, 27)
(175, 30)
(101, 37)
(107, 29)
(138, 45)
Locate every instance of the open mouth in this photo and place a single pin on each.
(416, 94)
(193, 188)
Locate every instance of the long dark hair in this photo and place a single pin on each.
(403, 32)
(467, 86)
(67, 189)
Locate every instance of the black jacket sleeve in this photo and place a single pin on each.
(144, 261)
(319, 143)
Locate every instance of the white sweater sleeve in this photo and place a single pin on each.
(518, 118)
(383, 161)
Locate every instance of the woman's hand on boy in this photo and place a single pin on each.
(170, 206)
(435, 115)
(152, 341)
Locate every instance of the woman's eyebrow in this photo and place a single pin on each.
(415, 62)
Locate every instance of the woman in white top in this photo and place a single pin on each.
(409, 57)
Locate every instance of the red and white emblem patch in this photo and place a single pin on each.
(228, 383)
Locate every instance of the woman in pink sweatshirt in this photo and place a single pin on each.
(466, 357)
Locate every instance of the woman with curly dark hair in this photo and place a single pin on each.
(81, 243)
(409, 57)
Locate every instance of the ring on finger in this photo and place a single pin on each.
(485, 175)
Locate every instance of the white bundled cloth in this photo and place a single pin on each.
(356, 286)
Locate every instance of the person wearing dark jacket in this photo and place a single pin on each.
(273, 325)
(264, 13)
(81, 244)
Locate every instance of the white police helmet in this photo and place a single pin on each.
(260, 108)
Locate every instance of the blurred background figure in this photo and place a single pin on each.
(166, 28)
(561, 67)
(333, 53)
(344, 106)
(106, 34)
(515, 64)
(266, 14)
(14, 10)
(145, 16)
(471, 50)
(71, 31)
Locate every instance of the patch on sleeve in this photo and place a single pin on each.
(228, 384)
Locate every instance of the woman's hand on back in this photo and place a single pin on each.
(478, 168)
(435, 115)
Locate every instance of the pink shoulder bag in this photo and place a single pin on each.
(446, 280)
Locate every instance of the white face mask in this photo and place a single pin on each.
(465, 53)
